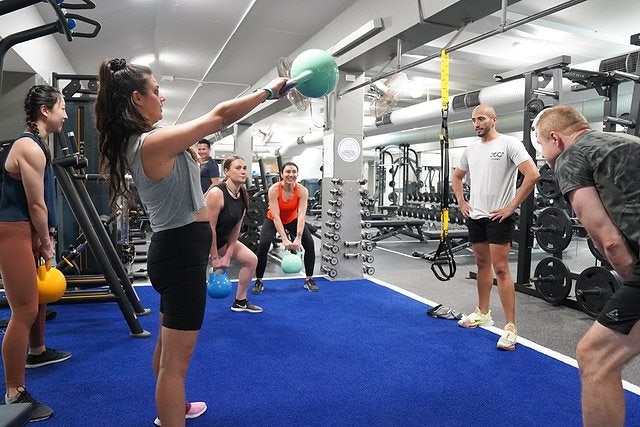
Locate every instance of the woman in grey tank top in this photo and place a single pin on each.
(128, 105)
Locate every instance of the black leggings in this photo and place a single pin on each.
(268, 232)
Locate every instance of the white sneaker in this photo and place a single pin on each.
(509, 337)
(476, 319)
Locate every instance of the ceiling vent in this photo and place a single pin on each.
(627, 63)
(466, 100)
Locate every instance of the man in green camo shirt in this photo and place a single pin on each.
(599, 174)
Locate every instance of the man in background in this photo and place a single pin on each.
(209, 170)
(493, 163)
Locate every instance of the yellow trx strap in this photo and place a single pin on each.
(444, 254)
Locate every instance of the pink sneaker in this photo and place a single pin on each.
(194, 409)
(191, 410)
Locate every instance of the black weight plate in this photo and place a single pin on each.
(555, 230)
(546, 185)
(596, 253)
(594, 287)
(553, 280)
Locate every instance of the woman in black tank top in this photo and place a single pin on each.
(27, 219)
(226, 204)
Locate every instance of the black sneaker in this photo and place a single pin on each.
(47, 357)
(245, 306)
(39, 411)
(258, 287)
(311, 286)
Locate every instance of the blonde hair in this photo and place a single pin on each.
(564, 119)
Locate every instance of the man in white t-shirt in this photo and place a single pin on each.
(493, 163)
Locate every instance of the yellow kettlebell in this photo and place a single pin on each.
(51, 283)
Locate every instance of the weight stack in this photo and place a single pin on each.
(341, 229)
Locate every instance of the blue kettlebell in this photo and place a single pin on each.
(291, 261)
(218, 285)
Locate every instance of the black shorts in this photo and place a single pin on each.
(486, 230)
(177, 263)
(622, 311)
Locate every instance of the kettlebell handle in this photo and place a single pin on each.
(291, 83)
(43, 269)
(218, 271)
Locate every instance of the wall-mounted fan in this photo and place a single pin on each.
(386, 94)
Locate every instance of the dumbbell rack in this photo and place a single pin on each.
(345, 254)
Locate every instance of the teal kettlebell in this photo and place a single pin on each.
(314, 73)
(218, 285)
(291, 261)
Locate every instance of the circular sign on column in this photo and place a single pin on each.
(349, 149)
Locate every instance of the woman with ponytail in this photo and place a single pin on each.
(167, 176)
(27, 219)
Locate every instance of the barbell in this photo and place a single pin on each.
(593, 287)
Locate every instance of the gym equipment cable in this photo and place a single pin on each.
(444, 254)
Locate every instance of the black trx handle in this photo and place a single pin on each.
(443, 258)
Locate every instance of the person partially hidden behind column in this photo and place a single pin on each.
(167, 175)
(286, 214)
(209, 170)
(599, 174)
(27, 215)
(492, 164)
(227, 203)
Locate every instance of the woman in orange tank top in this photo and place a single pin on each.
(286, 216)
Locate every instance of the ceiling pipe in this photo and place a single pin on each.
(506, 98)
(592, 109)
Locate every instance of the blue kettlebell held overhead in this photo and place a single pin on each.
(218, 285)
(291, 261)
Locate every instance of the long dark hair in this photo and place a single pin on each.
(243, 191)
(38, 96)
(117, 119)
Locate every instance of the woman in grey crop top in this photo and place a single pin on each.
(167, 177)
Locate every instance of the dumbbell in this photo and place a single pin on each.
(329, 271)
(333, 224)
(332, 236)
(332, 248)
(367, 245)
(330, 259)
(367, 235)
(369, 270)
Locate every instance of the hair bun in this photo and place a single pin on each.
(117, 64)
